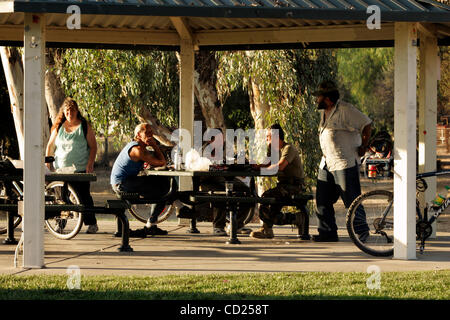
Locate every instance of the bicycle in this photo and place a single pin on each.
(64, 226)
(379, 212)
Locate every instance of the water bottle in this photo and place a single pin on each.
(178, 159)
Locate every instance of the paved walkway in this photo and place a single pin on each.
(182, 253)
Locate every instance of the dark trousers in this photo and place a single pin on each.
(330, 186)
(83, 189)
(271, 214)
(219, 211)
(151, 187)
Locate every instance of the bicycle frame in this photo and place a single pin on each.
(379, 221)
(423, 224)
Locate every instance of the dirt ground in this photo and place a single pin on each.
(101, 191)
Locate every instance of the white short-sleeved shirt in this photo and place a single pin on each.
(340, 136)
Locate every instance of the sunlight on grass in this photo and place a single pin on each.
(312, 285)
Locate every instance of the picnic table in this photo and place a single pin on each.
(12, 180)
(230, 197)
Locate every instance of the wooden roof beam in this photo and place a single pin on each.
(184, 30)
(445, 30)
(427, 29)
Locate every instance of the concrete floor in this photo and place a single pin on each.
(182, 253)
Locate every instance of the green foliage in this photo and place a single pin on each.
(366, 78)
(112, 87)
(236, 110)
(286, 79)
(444, 84)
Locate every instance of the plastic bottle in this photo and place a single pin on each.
(178, 159)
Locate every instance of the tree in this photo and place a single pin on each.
(444, 84)
(8, 139)
(205, 89)
(279, 85)
(117, 89)
(13, 71)
(367, 76)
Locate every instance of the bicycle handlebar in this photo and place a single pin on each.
(432, 174)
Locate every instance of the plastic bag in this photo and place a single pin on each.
(196, 163)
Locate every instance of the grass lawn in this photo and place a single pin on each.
(429, 285)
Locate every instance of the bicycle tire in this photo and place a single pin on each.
(3, 221)
(142, 212)
(380, 241)
(69, 223)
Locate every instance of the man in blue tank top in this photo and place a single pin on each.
(124, 174)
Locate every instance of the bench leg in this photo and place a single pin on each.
(233, 226)
(125, 247)
(193, 228)
(10, 229)
(303, 230)
(118, 232)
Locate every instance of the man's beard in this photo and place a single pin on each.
(322, 105)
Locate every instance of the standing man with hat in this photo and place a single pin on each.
(344, 133)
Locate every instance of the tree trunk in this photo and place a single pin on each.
(258, 109)
(205, 89)
(54, 94)
(105, 160)
(161, 133)
(13, 68)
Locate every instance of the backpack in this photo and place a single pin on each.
(83, 125)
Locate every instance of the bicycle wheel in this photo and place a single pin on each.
(3, 214)
(68, 223)
(378, 208)
(142, 212)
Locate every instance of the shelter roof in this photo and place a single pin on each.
(221, 23)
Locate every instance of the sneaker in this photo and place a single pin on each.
(93, 228)
(155, 231)
(219, 232)
(263, 233)
(325, 238)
